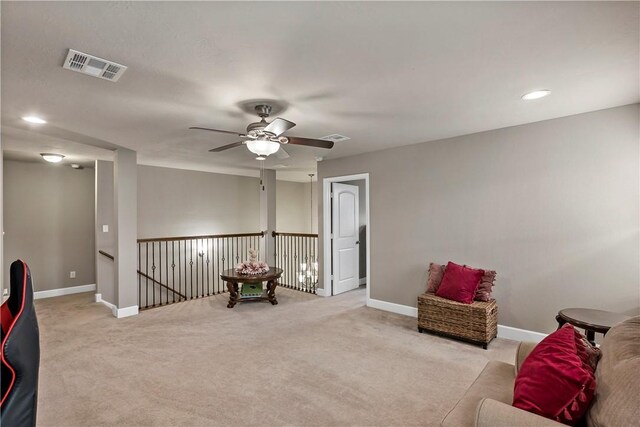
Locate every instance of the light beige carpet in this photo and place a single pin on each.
(307, 361)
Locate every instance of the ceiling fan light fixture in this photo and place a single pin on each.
(262, 147)
(261, 158)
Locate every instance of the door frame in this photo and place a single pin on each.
(327, 257)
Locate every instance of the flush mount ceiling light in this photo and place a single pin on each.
(34, 119)
(536, 94)
(52, 157)
(76, 166)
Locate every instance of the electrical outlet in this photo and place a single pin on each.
(105, 228)
(72, 275)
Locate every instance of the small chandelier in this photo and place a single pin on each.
(308, 272)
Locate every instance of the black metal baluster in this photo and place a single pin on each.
(208, 286)
(217, 276)
(153, 271)
(139, 279)
(146, 270)
(191, 266)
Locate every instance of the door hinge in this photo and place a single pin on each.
(332, 195)
(331, 235)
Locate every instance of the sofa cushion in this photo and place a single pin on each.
(617, 398)
(555, 380)
(459, 283)
(495, 382)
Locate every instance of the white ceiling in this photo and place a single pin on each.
(385, 73)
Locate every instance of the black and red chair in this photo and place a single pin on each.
(20, 351)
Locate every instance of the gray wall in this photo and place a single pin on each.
(105, 241)
(552, 206)
(48, 222)
(175, 202)
(293, 207)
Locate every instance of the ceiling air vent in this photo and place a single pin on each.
(335, 137)
(93, 66)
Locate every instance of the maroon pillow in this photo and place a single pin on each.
(554, 380)
(483, 293)
(436, 271)
(459, 283)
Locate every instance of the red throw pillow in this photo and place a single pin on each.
(556, 380)
(459, 283)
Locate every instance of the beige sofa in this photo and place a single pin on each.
(487, 403)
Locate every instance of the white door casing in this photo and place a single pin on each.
(346, 231)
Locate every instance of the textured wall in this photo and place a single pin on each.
(553, 206)
(48, 222)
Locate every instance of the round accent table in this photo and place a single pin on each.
(590, 320)
(233, 280)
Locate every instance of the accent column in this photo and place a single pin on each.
(125, 186)
(268, 216)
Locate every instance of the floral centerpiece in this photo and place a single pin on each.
(253, 267)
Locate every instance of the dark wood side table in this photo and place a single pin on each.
(233, 280)
(590, 320)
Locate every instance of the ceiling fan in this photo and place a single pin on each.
(264, 138)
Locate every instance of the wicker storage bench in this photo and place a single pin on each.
(476, 322)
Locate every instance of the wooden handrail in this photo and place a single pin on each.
(111, 257)
(277, 233)
(107, 255)
(210, 236)
(161, 284)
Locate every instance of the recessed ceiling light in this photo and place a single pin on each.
(52, 157)
(76, 166)
(34, 120)
(536, 94)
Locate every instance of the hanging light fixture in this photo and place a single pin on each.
(308, 273)
(262, 146)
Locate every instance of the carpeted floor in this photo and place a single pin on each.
(307, 361)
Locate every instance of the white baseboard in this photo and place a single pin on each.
(118, 312)
(64, 291)
(126, 312)
(394, 308)
(516, 334)
(321, 293)
(506, 332)
(112, 307)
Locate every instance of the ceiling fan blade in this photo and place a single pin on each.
(282, 154)
(218, 130)
(278, 126)
(318, 143)
(226, 147)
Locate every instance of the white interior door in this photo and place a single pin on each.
(345, 222)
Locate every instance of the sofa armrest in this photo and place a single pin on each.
(524, 348)
(491, 413)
